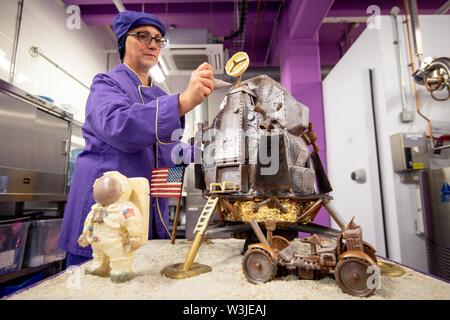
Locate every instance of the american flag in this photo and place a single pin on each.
(167, 182)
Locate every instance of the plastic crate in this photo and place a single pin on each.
(41, 247)
(10, 289)
(13, 238)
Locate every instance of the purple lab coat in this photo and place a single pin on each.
(125, 124)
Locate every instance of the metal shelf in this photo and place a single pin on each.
(28, 271)
(16, 197)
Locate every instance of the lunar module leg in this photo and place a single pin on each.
(199, 231)
(313, 228)
(189, 268)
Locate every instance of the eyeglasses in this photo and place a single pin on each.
(146, 38)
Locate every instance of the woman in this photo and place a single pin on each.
(129, 125)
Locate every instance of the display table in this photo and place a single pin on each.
(226, 280)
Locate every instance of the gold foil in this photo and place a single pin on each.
(266, 212)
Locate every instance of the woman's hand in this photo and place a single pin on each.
(200, 86)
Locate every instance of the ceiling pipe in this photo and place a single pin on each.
(119, 5)
(416, 34)
(242, 21)
(12, 67)
(344, 44)
(260, 26)
(275, 23)
(444, 8)
(237, 44)
(35, 52)
(406, 115)
(345, 20)
(255, 24)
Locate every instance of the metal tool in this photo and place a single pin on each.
(221, 84)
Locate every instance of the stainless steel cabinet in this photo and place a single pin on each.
(34, 146)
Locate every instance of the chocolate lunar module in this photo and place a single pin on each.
(257, 171)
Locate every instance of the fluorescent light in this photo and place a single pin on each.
(157, 74)
(22, 78)
(4, 63)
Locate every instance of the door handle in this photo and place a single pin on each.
(359, 175)
(65, 147)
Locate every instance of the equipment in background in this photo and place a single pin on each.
(412, 160)
(35, 144)
(434, 74)
(435, 187)
(409, 152)
(34, 165)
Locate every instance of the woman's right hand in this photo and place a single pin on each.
(200, 86)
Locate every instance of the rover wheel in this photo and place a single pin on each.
(342, 247)
(258, 265)
(370, 251)
(352, 277)
(279, 242)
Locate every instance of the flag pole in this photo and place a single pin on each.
(177, 212)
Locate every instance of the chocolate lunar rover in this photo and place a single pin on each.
(257, 171)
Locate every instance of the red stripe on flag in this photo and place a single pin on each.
(161, 188)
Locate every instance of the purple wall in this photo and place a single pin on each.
(299, 58)
(304, 18)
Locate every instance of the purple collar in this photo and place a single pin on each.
(134, 76)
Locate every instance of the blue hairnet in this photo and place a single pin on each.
(121, 46)
(127, 20)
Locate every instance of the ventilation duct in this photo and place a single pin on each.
(188, 48)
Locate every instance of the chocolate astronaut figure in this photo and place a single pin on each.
(116, 227)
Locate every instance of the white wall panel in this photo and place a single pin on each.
(81, 52)
(351, 137)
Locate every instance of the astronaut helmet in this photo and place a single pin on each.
(111, 187)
